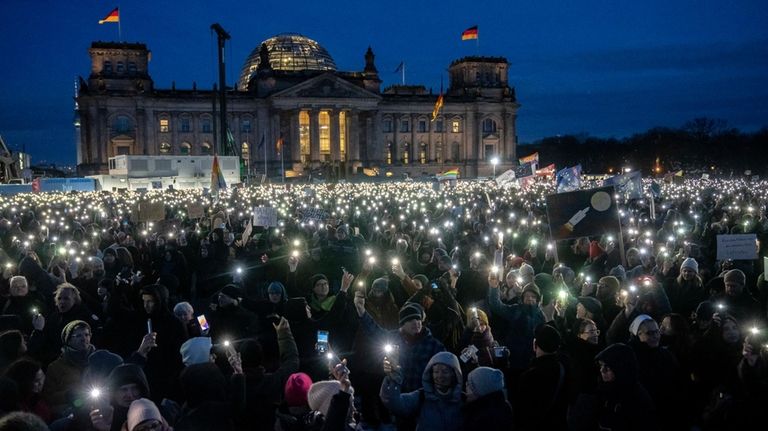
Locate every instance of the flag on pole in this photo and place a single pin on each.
(400, 67)
(113, 16)
(531, 158)
(470, 33)
(279, 145)
(452, 174)
(438, 106)
(217, 178)
(569, 179)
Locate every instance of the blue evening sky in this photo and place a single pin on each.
(603, 67)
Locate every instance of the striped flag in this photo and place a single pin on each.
(217, 178)
(113, 16)
(470, 33)
(452, 174)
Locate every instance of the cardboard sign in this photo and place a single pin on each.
(506, 177)
(316, 214)
(195, 210)
(264, 216)
(583, 213)
(737, 247)
(151, 211)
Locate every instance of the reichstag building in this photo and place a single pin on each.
(309, 115)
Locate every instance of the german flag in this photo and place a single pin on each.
(470, 33)
(113, 16)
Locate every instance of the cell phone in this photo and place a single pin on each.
(435, 286)
(471, 349)
(498, 351)
(322, 341)
(149, 326)
(203, 322)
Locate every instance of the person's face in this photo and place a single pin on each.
(687, 274)
(321, 288)
(38, 382)
(606, 373)
(65, 300)
(443, 376)
(149, 303)
(80, 339)
(126, 394)
(733, 289)
(109, 259)
(341, 235)
(590, 334)
(412, 327)
(149, 425)
(275, 297)
(731, 333)
(581, 311)
(19, 288)
(185, 315)
(666, 327)
(530, 298)
(649, 333)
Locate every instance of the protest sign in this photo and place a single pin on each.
(525, 170)
(195, 210)
(568, 179)
(505, 178)
(264, 216)
(315, 214)
(628, 185)
(583, 213)
(737, 247)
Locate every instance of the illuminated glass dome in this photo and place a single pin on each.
(289, 53)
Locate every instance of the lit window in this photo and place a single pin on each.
(343, 135)
(387, 125)
(206, 125)
(164, 125)
(185, 148)
(405, 126)
(422, 126)
(389, 153)
(185, 124)
(245, 150)
(245, 126)
(406, 153)
(423, 153)
(304, 136)
(165, 148)
(325, 132)
(455, 126)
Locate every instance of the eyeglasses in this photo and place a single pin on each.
(592, 332)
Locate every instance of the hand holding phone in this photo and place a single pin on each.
(321, 344)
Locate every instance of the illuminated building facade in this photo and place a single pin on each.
(309, 115)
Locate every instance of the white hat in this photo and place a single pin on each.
(142, 410)
(635, 325)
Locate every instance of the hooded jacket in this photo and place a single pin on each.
(435, 411)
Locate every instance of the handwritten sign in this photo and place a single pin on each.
(264, 216)
(151, 211)
(195, 210)
(737, 247)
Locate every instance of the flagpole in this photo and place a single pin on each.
(403, 71)
(119, 28)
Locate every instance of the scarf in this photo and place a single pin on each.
(77, 357)
(324, 305)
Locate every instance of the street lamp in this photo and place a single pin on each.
(494, 162)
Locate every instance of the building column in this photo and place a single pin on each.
(294, 141)
(375, 152)
(262, 130)
(415, 150)
(335, 136)
(140, 138)
(314, 137)
(353, 135)
(395, 139)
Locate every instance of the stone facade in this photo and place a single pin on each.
(342, 121)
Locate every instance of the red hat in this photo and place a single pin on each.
(594, 250)
(296, 388)
(516, 262)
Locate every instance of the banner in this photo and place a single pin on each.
(546, 171)
(151, 211)
(583, 213)
(316, 214)
(265, 216)
(195, 210)
(737, 247)
(505, 178)
(525, 170)
(569, 179)
(628, 185)
(532, 158)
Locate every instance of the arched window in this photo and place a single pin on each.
(489, 126)
(205, 148)
(165, 148)
(122, 124)
(206, 125)
(185, 148)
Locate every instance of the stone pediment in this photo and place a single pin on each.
(325, 86)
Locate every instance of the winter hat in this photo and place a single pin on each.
(531, 287)
(315, 278)
(71, 327)
(526, 271)
(594, 250)
(619, 272)
(232, 291)
(484, 380)
(251, 353)
(410, 311)
(320, 395)
(101, 363)
(381, 283)
(547, 338)
(568, 274)
(422, 278)
(296, 389)
(127, 374)
(544, 282)
(196, 350)
(705, 310)
(276, 287)
(481, 316)
(591, 304)
(691, 264)
(635, 325)
(516, 262)
(735, 276)
(142, 410)
(611, 282)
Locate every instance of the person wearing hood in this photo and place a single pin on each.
(29, 378)
(607, 289)
(687, 290)
(229, 318)
(210, 401)
(541, 401)
(438, 404)
(269, 311)
(646, 298)
(126, 384)
(65, 373)
(486, 406)
(736, 297)
(621, 402)
(659, 372)
(163, 361)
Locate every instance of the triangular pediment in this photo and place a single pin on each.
(326, 86)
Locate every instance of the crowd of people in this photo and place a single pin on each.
(380, 306)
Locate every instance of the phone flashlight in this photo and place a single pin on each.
(562, 294)
(388, 348)
(95, 393)
(395, 261)
(295, 253)
(239, 270)
(227, 343)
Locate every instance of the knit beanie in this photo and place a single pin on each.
(619, 272)
(142, 410)
(410, 311)
(381, 283)
(527, 271)
(232, 291)
(610, 282)
(705, 310)
(71, 327)
(591, 304)
(691, 264)
(735, 276)
(320, 395)
(296, 389)
(422, 278)
(484, 380)
(481, 316)
(635, 325)
(101, 363)
(547, 338)
(544, 282)
(568, 274)
(251, 353)
(314, 279)
(196, 350)
(531, 287)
